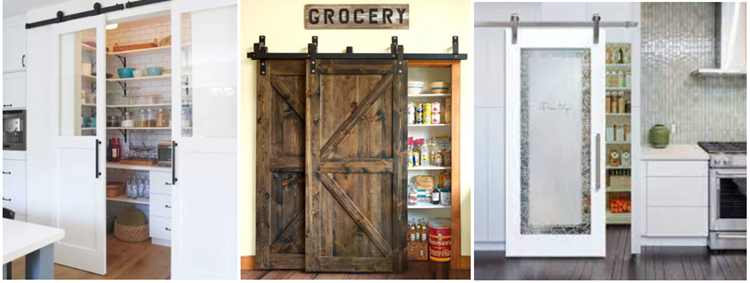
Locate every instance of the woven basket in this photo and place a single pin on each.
(131, 233)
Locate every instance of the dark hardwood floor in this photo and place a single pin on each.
(416, 270)
(654, 263)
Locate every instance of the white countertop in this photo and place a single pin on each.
(21, 238)
(674, 152)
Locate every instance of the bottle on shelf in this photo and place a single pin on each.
(425, 152)
(114, 151)
(412, 231)
(433, 154)
(446, 180)
(423, 231)
(436, 195)
(109, 150)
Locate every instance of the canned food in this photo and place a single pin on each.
(426, 113)
(440, 240)
(411, 110)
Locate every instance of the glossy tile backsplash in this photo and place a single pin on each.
(678, 38)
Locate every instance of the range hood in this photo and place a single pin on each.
(731, 41)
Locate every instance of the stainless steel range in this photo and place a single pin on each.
(727, 171)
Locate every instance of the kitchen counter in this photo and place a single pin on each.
(674, 152)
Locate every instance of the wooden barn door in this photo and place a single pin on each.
(280, 175)
(356, 166)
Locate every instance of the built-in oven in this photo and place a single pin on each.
(14, 130)
(728, 208)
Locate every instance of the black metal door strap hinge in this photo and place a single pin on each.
(260, 53)
(596, 18)
(60, 17)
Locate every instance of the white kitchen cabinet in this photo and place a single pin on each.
(14, 90)
(14, 44)
(14, 173)
(14, 198)
(160, 228)
(160, 208)
(677, 221)
(14, 186)
(161, 182)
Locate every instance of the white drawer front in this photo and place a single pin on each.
(680, 191)
(677, 168)
(677, 221)
(161, 182)
(14, 198)
(160, 205)
(160, 227)
(14, 173)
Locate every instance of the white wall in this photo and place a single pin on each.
(489, 83)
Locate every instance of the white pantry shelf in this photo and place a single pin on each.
(123, 198)
(429, 95)
(618, 218)
(429, 125)
(618, 65)
(111, 165)
(422, 205)
(613, 88)
(139, 105)
(138, 128)
(425, 168)
(146, 78)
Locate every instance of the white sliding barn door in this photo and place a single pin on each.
(204, 125)
(555, 191)
(79, 154)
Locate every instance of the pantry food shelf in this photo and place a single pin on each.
(423, 205)
(618, 65)
(138, 128)
(420, 168)
(428, 95)
(612, 88)
(124, 198)
(139, 105)
(617, 167)
(618, 189)
(619, 142)
(618, 114)
(164, 50)
(429, 125)
(111, 165)
(618, 218)
(139, 78)
(88, 105)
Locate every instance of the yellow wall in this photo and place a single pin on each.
(431, 25)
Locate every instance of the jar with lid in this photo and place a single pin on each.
(127, 120)
(142, 118)
(162, 119)
(113, 121)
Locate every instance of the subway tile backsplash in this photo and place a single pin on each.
(678, 38)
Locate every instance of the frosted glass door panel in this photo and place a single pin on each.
(555, 147)
(209, 74)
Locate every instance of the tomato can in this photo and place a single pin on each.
(435, 112)
(439, 239)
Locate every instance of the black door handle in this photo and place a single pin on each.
(23, 60)
(174, 162)
(6, 199)
(97, 173)
(165, 228)
(168, 183)
(167, 206)
(7, 105)
(6, 172)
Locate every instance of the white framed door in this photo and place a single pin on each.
(555, 192)
(205, 58)
(79, 162)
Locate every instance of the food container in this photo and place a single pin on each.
(125, 73)
(439, 239)
(162, 118)
(113, 121)
(127, 120)
(137, 73)
(154, 71)
(415, 87)
(445, 197)
(142, 118)
(440, 87)
(435, 112)
(151, 114)
(426, 113)
(419, 113)
(412, 111)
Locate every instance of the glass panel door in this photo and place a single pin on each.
(554, 174)
(78, 85)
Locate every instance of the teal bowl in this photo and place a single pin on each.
(125, 72)
(154, 71)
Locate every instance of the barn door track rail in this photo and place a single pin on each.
(98, 10)
(515, 23)
(260, 52)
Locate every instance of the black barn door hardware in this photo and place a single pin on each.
(174, 162)
(98, 142)
(60, 17)
(514, 24)
(260, 52)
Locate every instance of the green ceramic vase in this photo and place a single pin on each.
(658, 136)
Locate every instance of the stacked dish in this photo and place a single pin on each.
(415, 87)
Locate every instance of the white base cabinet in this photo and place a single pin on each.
(14, 44)
(14, 90)
(160, 208)
(14, 185)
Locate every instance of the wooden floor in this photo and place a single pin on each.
(654, 263)
(416, 270)
(124, 261)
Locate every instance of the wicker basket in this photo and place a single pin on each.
(131, 233)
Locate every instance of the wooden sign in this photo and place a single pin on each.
(385, 16)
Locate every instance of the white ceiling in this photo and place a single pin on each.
(16, 7)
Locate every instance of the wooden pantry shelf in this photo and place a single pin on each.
(124, 198)
(422, 205)
(165, 50)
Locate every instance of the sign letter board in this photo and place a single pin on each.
(373, 16)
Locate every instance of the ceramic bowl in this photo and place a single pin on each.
(154, 71)
(415, 87)
(125, 72)
(440, 87)
(137, 73)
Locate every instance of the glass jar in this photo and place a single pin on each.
(151, 114)
(162, 119)
(142, 118)
(127, 120)
(113, 121)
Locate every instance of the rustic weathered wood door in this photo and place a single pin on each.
(280, 175)
(355, 165)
